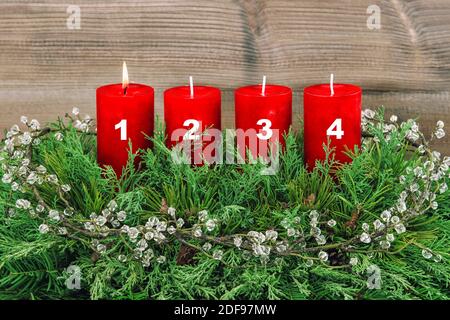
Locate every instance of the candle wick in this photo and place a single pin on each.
(125, 91)
(191, 86)
(332, 84)
(263, 89)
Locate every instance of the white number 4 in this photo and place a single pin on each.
(122, 125)
(336, 129)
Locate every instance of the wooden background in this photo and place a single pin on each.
(46, 69)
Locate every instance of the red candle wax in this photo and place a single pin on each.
(187, 116)
(264, 117)
(123, 117)
(335, 117)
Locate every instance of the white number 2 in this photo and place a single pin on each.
(336, 129)
(267, 124)
(122, 125)
(191, 133)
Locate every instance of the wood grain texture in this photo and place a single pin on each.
(46, 69)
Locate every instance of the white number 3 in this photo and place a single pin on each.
(267, 124)
(122, 125)
(336, 129)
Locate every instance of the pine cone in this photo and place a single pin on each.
(186, 255)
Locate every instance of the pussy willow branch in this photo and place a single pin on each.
(64, 222)
(38, 195)
(185, 235)
(366, 134)
(227, 241)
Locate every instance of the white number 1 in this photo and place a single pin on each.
(336, 129)
(122, 125)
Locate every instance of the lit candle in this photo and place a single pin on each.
(125, 115)
(264, 113)
(332, 112)
(191, 110)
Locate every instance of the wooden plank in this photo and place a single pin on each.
(48, 104)
(227, 43)
(45, 69)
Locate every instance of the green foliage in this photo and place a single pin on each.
(33, 265)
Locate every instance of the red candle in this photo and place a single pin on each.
(189, 111)
(331, 111)
(125, 114)
(264, 115)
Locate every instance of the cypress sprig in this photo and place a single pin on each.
(377, 228)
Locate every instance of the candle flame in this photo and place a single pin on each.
(125, 80)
